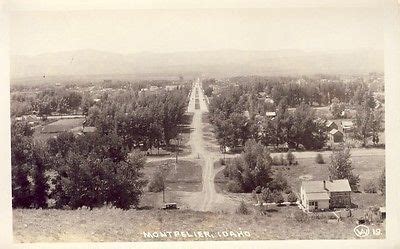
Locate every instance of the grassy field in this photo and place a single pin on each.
(109, 225)
(59, 126)
(182, 179)
(181, 176)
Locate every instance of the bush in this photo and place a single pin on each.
(266, 195)
(234, 187)
(278, 197)
(319, 159)
(292, 197)
(157, 182)
(222, 161)
(242, 209)
(290, 157)
(370, 187)
(288, 190)
(279, 182)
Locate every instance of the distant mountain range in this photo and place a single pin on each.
(218, 63)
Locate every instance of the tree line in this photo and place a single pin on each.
(294, 129)
(238, 114)
(141, 121)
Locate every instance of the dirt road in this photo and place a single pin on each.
(208, 199)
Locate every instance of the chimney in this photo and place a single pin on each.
(325, 185)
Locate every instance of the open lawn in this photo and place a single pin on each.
(50, 129)
(181, 176)
(182, 180)
(107, 224)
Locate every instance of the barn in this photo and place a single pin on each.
(324, 195)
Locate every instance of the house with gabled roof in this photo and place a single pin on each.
(336, 136)
(325, 194)
(331, 125)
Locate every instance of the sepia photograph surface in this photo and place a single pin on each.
(198, 124)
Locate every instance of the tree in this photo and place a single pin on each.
(74, 100)
(92, 181)
(40, 180)
(319, 159)
(363, 123)
(251, 169)
(341, 168)
(306, 129)
(376, 125)
(157, 182)
(337, 108)
(382, 182)
(21, 149)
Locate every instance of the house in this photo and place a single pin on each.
(323, 195)
(347, 125)
(89, 129)
(171, 87)
(153, 88)
(336, 136)
(331, 125)
(270, 114)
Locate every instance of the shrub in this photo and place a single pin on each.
(290, 157)
(370, 187)
(292, 197)
(278, 197)
(279, 182)
(222, 161)
(157, 182)
(242, 209)
(288, 190)
(234, 187)
(266, 195)
(319, 159)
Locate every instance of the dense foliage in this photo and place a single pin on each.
(341, 168)
(94, 169)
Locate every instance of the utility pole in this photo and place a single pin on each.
(163, 194)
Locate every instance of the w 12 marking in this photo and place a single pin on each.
(362, 231)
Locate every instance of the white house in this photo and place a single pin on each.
(323, 195)
(347, 125)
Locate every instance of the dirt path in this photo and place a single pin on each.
(208, 199)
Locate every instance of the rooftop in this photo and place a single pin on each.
(334, 131)
(332, 186)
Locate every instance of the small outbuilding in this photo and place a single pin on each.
(336, 136)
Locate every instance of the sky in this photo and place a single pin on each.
(132, 31)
